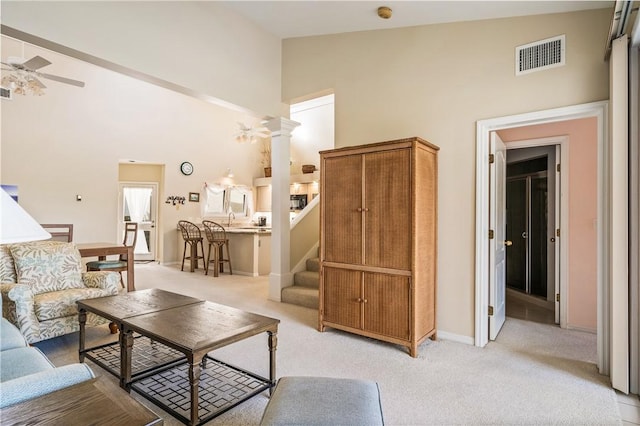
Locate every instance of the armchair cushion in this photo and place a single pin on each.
(58, 304)
(47, 265)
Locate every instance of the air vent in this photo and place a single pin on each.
(540, 55)
(5, 93)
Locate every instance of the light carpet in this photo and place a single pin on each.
(533, 374)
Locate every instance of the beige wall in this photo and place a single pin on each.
(436, 82)
(582, 292)
(199, 45)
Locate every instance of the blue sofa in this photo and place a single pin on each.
(26, 373)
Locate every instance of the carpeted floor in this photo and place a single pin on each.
(533, 374)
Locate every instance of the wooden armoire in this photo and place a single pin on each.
(378, 240)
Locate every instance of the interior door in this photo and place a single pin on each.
(497, 244)
(138, 203)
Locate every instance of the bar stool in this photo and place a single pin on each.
(217, 237)
(191, 236)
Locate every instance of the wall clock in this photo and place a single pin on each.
(186, 168)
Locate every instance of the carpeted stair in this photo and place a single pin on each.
(304, 291)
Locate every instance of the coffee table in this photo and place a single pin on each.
(195, 330)
(116, 309)
(190, 384)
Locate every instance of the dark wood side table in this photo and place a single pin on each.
(116, 308)
(195, 330)
(96, 401)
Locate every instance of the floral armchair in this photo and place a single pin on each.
(40, 283)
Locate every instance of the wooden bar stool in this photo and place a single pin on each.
(217, 237)
(191, 236)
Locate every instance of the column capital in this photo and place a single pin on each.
(280, 126)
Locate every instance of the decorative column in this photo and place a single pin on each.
(280, 275)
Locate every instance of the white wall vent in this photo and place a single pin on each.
(540, 55)
(5, 93)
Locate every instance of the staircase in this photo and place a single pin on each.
(304, 291)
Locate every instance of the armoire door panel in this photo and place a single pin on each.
(387, 188)
(342, 201)
(342, 297)
(387, 305)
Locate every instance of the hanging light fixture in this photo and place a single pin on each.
(22, 83)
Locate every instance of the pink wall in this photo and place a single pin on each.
(583, 166)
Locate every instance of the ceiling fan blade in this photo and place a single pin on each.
(62, 79)
(35, 63)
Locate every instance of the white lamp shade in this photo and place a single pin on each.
(16, 225)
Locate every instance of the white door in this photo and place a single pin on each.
(138, 203)
(497, 244)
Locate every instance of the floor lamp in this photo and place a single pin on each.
(16, 225)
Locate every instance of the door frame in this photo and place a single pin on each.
(154, 206)
(599, 110)
(562, 249)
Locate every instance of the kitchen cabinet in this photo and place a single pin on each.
(301, 184)
(263, 203)
(378, 214)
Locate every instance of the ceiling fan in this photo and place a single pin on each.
(251, 134)
(26, 75)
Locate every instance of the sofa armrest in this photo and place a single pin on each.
(102, 279)
(34, 385)
(26, 320)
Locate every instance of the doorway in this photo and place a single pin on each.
(595, 114)
(138, 203)
(530, 230)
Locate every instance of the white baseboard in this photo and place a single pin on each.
(445, 335)
(585, 329)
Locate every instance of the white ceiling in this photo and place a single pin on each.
(287, 19)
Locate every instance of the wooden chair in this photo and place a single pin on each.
(191, 236)
(59, 231)
(120, 264)
(217, 237)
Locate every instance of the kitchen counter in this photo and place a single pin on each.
(248, 230)
(250, 248)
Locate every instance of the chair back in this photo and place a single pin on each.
(59, 231)
(214, 231)
(190, 231)
(130, 234)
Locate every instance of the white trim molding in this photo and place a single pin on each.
(599, 110)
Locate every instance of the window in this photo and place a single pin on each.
(221, 200)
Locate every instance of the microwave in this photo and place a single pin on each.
(297, 202)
